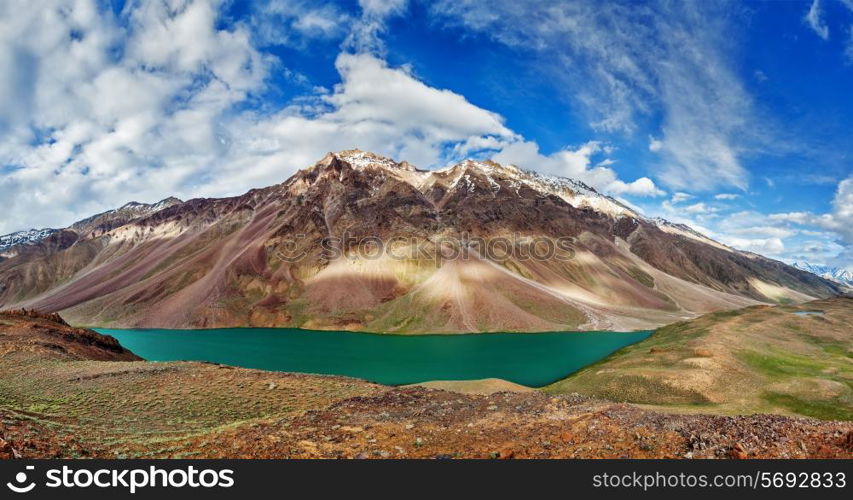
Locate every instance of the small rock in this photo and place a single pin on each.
(506, 453)
(848, 441)
(410, 426)
(6, 451)
(737, 452)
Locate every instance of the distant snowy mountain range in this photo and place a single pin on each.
(92, 226)
(837, 274)
(27, 237)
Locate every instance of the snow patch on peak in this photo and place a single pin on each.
(579, 194)
(363, 159)
(836, 274)
(27, 237)
(687, 231)
(165, 203)
(573, 192)
(142, 209)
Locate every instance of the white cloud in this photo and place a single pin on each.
(382, 8)
(101, 112)
(767, 246)
(655, 145)
(764, 231)
(700, 208)
(840, 220)
(576, 164)
(364, 34)
(832, 244)
(295, 22)
(679, 197)
(623, 61)
(814, 18)
(375, 107)
(106, 109)
(726, 196)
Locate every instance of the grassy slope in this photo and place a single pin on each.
(139, 409)
(56, 401)
(758, 359)
(75, 383)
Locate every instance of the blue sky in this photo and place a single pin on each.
(734, 117)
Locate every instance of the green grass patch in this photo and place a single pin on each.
(777, 365)
(643, 277)
(832, 409)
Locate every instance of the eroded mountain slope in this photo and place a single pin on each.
(299, 254)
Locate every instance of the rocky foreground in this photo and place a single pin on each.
(70, 393)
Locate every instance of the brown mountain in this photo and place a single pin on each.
(474, 247)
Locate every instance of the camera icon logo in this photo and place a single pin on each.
(20, 479)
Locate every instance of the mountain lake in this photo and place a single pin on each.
(531, 359)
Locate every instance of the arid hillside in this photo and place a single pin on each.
(73, 393)
(303, 254)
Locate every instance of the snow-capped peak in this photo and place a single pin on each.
(363, 159)
(685, 230)
(836, 274)
(27, 237)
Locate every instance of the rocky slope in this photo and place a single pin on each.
(49, 336)
(71, 393)
(299, 254)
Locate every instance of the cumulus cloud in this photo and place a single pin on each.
(840, 220)
(814, 19)
(625, 61)
(577, 164)
(157, 101)
(375, 107)
(105, 108)
(818, 238)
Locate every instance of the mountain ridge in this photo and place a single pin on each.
(837, 274)
(217, 262)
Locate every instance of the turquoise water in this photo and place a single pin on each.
(532, 359)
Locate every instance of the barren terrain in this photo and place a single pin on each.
(67, 392)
